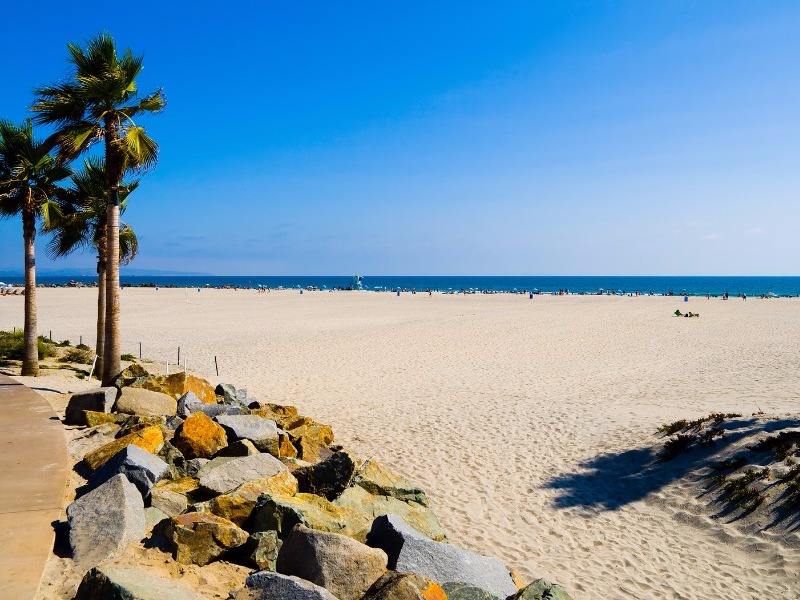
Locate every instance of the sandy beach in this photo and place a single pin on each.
(526, 420)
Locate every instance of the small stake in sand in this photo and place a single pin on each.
(179, 356)
(94, 363)
(140, 350)
(166, 366)
(216, 366)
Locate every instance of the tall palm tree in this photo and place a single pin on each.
(29, 177)
(81, 224)
(98, 102)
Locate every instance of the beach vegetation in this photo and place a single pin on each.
(729, 464)
(29, 187)
(674, 427)
(75, 355)
(679, 444)
(128, 357)
(696, 424)
(100, 102)
(12, 346)
(781, 445)
(82, 223)
(739, 490)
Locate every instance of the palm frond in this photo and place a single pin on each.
(128, 244)
(140, 149)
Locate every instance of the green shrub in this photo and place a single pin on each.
(677, 445)
(74, 355)
(128, 357)
(675, 427)
(12, 346)
(63, 344)
(82, 347)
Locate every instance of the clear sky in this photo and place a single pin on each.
(449, 138)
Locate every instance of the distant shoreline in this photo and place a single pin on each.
(584, 285)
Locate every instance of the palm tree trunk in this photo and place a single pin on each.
(114, 162)
(101, 308)
(30, 357)
(111, 349)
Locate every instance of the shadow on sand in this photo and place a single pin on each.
(610, 481)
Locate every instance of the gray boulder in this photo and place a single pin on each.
(169, 502)
(115, 583)
(261, 550)
(194, 466)
(142, 402)
(262, 432)
(266, 585)
(189, 403)
(103, 522)
(329, 477)
(228, 393)
(340, 564)
(236, 471)
(411, 552)
(236, 449)
(152, 517)
(140, 467)
(99, 400)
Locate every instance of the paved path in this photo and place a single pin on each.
(33, 476)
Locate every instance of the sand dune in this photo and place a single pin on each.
(528, 421)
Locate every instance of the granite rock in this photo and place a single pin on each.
(405, 586)
(142, 402)
(200, 538)
(107, 582)
(341, 565)
(199, 437)
(266, 585)
(237, 471)
(329, 477)
(140, 467)
(103, 522)
(150, 439)
(98, 400)
(409, 551)
(262, 432)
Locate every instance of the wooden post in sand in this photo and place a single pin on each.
(216, 366)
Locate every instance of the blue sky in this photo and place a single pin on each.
(449, 138)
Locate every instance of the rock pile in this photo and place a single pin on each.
(210, 474)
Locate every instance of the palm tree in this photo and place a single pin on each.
(82, 224)
(28, 186)
(99, 102)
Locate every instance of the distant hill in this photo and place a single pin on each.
(92, 273)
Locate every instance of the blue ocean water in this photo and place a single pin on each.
(752, 286)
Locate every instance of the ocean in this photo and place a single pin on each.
(694, 286)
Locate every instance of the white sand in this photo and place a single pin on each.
(494, 404)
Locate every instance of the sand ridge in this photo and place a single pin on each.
(527, 421)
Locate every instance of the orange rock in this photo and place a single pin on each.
(149, 438)
(311, 440)
(199, 437)
(516, 577)
(433, 592)
(285, 447)
(177, 384)
(282, 415)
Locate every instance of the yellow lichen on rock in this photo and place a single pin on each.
(149, 438)
(200, 437)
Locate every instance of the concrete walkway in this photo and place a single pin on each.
(33, 477)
